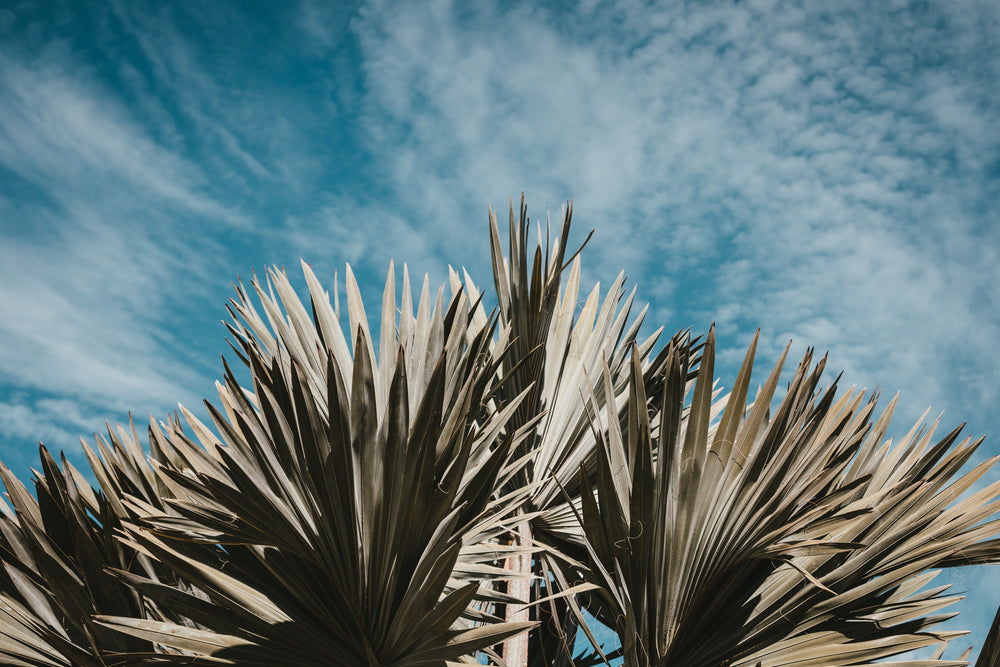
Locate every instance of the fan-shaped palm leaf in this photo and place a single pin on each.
(340, 513)
(554, 349)
(793, 539)
(55, 548)
(385, 497)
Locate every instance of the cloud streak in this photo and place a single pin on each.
(817, 172)
(88, 268)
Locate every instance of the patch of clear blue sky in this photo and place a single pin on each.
(827, 172)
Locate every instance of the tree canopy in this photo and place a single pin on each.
(462, 485)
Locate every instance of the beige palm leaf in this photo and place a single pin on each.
(422, 492)
(344, 501)
(554, 349)
(57, 547)
(798, 538)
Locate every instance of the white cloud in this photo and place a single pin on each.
(55, 130)
(24, 423)
(368, 236)
(789, 147)
(95, 263)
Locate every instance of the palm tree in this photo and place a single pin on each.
(462, 486)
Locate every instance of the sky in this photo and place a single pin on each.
(827, 172)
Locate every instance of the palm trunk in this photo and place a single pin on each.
(515, 649)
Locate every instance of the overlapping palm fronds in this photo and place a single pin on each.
(793, 539)
(54, 551)
(419, 494)
(58, 547)
(341, 498)
(555, 348)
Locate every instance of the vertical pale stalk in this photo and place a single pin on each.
(515, 649)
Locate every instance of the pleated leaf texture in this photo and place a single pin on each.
(436, 489)
(721, 534)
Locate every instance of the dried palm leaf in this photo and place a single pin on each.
(792, 539)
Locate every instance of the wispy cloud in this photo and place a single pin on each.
(94, 266)
(821, 173)
(142, 172)
(57, 131)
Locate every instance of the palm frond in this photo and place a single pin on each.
(792, 539)
(555, 350)
(990, 654)
(333, 506)
(421, 492)
(56, 547)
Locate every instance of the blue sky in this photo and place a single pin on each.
(826, 171)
